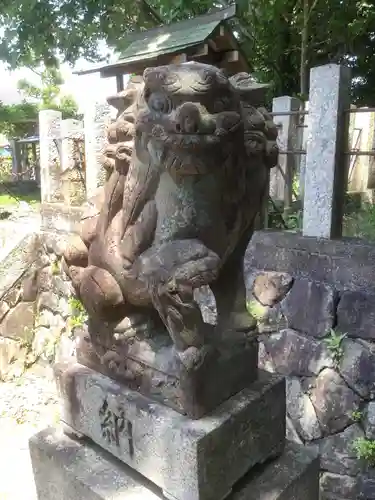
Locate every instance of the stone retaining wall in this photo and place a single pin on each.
(35, 306)
(314, 302)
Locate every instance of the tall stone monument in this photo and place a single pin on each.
(178, 401)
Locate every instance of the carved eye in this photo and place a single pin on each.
(160, 103)
(207, 77)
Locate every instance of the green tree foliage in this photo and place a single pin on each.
(48, 94)
(19, 120)
(274, 34)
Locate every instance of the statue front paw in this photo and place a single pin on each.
(99, 291)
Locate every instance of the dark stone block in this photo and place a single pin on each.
(291, 432)
(357, 367)
(356, 315)
(337, 454)
(348, 264)
(310, 307)
(334, 401)
(295, 354)
(340, 486)
(301, 411)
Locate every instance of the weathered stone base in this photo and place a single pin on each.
(68, 469)
(188, 459)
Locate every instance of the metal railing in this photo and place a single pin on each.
(348, 152)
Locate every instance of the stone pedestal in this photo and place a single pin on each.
(71, 469)
(188, 459)
(151, 366)
(117, 443)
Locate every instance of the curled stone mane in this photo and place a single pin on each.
(121, 132)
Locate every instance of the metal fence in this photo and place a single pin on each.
(287, 215)
(284, 216)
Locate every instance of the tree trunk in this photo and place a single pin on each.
(304, 42)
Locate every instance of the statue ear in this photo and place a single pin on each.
(123, 99)
(147, 72)
(250, 91)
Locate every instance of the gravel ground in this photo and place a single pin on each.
(27, 405)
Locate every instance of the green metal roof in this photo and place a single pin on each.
(163, 40)
(153, 45)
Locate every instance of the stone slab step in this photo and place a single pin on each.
(292, 476)
(71, 469)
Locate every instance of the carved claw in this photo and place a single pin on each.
(179, 294)
(193, 358)
(183, 329)
(177, 317)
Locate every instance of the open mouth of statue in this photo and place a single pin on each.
(191, 140)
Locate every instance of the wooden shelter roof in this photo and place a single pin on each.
(206, 38)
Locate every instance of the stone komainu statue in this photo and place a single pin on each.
(188, 161)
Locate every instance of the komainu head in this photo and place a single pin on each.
(189, 110)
